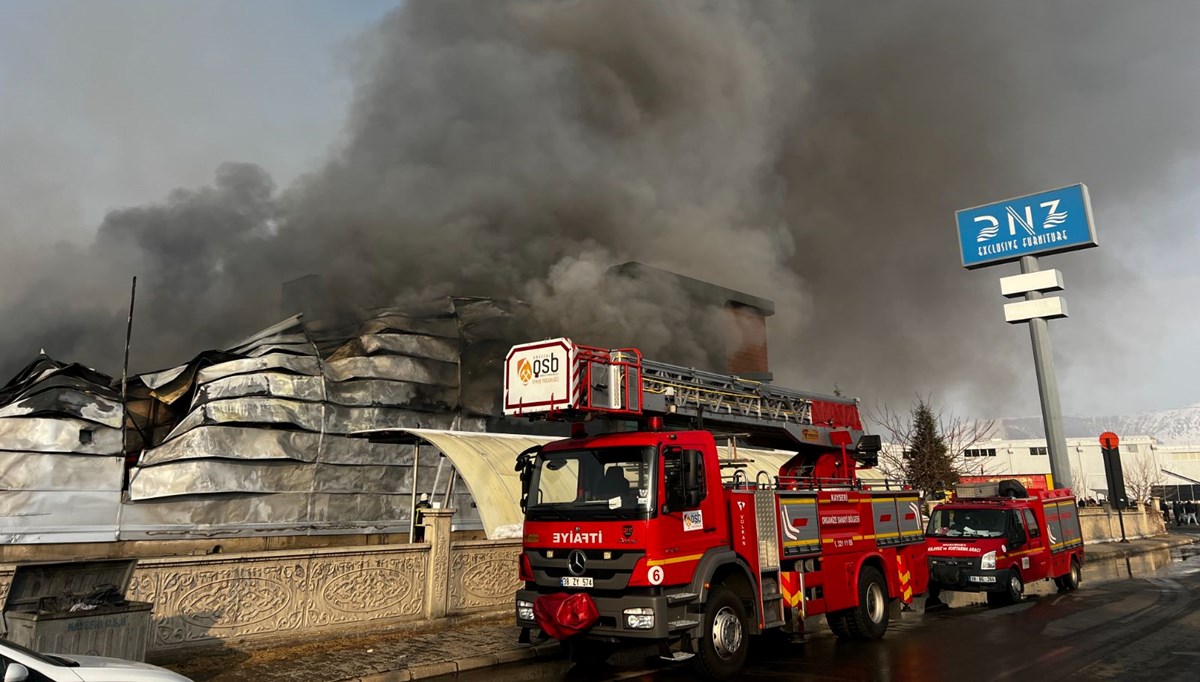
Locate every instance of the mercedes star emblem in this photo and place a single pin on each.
(576, 562)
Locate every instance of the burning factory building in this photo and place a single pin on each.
(266, 436)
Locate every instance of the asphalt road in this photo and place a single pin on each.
(1134, 619)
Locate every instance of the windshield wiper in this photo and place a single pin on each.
(62, 661)
(556, 510)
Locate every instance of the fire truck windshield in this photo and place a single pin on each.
(967, 523)
(599, 483)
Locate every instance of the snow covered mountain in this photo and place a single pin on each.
(1179, 426)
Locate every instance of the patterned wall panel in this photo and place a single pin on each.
(483, 575)
(198, 600)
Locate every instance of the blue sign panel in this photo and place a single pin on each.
(1048, 222)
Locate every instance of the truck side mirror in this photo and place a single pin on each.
(524, 467)
(674, 479)
(692, 464)
(1016, 534)
(866, 451)
(1016, 540)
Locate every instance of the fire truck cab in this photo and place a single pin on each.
(658, 535)
(985, 541)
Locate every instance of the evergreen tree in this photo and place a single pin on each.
(928, 464)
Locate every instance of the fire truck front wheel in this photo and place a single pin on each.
(590, 652)
(869, 620)
(724, 641)
(1010, 594)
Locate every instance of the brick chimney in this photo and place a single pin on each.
(746, 342)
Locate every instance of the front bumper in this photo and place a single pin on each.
(964, 575)
(670, 620)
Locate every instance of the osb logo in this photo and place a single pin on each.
(524, 370)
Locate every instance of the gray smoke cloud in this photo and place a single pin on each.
(811, 154)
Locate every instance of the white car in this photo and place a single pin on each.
(23, 665)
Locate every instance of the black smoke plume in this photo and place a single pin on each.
(812, 154)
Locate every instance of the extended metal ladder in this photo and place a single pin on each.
(622, 382)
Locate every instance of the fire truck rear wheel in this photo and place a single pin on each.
(869, 620)
(1070, 581)
(724, 639)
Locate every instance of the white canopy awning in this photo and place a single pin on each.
(486, 463)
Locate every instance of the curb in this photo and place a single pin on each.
(461, 665)
(1118, 551)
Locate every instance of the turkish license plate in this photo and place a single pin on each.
(982, 578)
(570, 581)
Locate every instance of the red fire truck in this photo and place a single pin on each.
(997, 538)
(650, 532)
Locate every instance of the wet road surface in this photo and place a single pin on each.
(1133, 619)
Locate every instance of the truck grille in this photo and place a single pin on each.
(609, 574)
(951, 571)
(954, 563)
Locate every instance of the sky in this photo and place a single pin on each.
(811, 153)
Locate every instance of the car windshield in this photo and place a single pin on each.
(598, 483)
(967, 523)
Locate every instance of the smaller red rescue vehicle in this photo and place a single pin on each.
(997, 538)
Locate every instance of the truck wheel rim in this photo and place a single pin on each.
(1074, 573)
(1014, 584)
(726, 632)
(875, 603)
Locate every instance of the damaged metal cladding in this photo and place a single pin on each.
(256, 439)
(230, 442)
(61, 455)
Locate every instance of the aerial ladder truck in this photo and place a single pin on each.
(648, 532)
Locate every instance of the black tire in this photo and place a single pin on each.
(1011, 488)
(1070, 581)
(589, 652)
(724, 638)
(869, 620)
(933, 593)
(837, 623)
(1014, 590)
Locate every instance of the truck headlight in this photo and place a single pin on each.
(640, 618)
(988, 562)
(524, 610)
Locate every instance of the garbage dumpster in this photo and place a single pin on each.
(77, 607)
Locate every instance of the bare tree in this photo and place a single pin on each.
(908, 457)
(1141, 477)
(1079, 485)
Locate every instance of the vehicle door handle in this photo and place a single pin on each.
(710, 530)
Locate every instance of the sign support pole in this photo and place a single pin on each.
(1121, 520)
(1053, 221)
(1043, 361)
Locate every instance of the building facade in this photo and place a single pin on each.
(1149, 468)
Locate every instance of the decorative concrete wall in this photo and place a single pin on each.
(208, 599)
(273, 593)
(1101, 524)
(483, 575)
